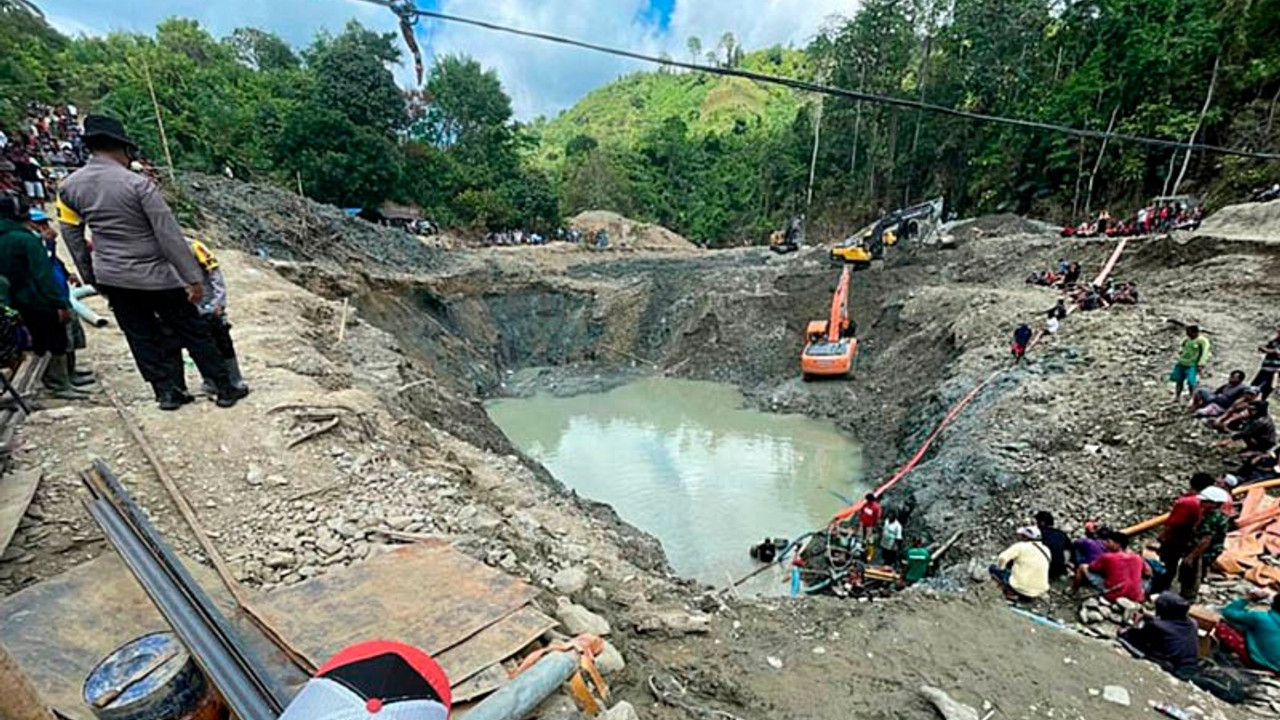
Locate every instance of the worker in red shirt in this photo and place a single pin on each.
(869, 522)
(1118, 573)
(1179, 530)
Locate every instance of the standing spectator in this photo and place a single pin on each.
(1210, 538)
(40, 224)
(213, 310)
(918, 560)
(891, 539)
(35, 295)
(1022, 570)
(1021, 339)
(1179, 529)
(140, 262)
(1265, 380)
(869, 519)
(1193, 355)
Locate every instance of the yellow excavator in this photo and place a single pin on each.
(868, 246)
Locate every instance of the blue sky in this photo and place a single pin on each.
(541, 78)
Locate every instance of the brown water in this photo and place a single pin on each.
(685, 462)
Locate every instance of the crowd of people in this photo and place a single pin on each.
(166, 291)
(1162, 216)
(599, 239)
(1193, 536)
(43, 150)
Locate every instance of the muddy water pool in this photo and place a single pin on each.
(687, 463)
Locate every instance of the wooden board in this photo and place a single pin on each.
(16, 491)
(495, 643)
(480, 684)
(432, 597)
(58, 630)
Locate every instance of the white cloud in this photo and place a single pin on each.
(541, 77)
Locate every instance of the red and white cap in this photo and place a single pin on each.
(377, 680)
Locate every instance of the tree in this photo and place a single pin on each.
(694, 45)
(338, 161)
(466, 104)
(352, 78)
(262, 50)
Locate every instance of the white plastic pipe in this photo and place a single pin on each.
(85, 312)
(527, 690)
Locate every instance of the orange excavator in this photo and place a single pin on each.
(831, 344)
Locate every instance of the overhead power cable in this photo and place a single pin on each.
(406, 9)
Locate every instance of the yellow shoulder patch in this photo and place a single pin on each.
(65, 214)
(204, 255)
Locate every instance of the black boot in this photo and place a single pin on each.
(229, 395)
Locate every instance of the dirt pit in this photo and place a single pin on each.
(430, 334)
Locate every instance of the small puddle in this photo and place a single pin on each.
(687, 463)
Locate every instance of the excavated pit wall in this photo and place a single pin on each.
(933, 322)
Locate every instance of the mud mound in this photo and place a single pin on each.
(627, 233)
(267, 221)
(1259, 222)
(1003, 224)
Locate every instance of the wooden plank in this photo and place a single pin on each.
(482, 683)
(16, 491)
(497, 642)
(430, 597)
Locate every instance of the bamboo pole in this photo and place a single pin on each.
(164, 139)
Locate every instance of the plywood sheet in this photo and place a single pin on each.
(16, 491)
(430, 597)
(480, 684)
(495, 643)
(59, 629)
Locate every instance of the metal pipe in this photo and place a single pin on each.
(529, 689)
(85, 312)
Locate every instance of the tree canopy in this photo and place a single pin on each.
(722, 160)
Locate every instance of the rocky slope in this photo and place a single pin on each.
(1083, 428)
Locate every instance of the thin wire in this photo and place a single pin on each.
(806, 86)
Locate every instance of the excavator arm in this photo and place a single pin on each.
(839, 318)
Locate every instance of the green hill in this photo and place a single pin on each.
(619, 113)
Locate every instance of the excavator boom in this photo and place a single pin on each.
(839, 318)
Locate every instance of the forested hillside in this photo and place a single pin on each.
(721, 160)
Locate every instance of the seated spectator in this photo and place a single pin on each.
(1235, 416)
(1022, 570)
(1072, 276)
(1058, 542)
(1118, 573)
(1221, 397)
(1252, 635)
(1088, 548)
(1169, 639)
(1258, 433)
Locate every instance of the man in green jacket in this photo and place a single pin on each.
(34, 293)
(1260, 629)
(1192, 357)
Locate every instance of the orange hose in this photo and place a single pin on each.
(855, 508)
